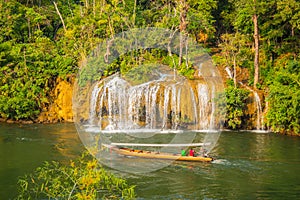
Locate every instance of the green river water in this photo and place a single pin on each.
(249, 165)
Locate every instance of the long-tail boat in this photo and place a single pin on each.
(122, 149)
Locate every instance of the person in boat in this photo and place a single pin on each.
(183, 152)
(192, 152)
(205, 154)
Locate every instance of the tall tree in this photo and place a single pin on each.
(256, 43)
(246, 20)
(183, 9)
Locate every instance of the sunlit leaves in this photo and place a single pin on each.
(80, 179)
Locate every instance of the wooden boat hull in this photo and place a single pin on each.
(156, 155)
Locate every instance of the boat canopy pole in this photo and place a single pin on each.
(160, 145)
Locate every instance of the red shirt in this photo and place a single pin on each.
(192, 152)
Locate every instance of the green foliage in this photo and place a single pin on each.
(185, 69)
(234, 53)
(284, 98)
(30, 61)
(280, 28)
(28, 74)
(137, 66)
(235, 105)
(201, 20)
(166, 14)
(35, 48)
(141, 74)
(81, 179)
(279, 34)
(234, 49)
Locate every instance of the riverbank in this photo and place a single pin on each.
(24, 122)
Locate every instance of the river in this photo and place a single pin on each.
(249, 165)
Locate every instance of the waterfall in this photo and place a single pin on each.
(166, 103)
(111, 104)
(203, 98)
(148, 102)
(175, 106)
(228, 72)
(212, 116)
(259, 113)
(161, 104)
(194, 103)
(93, 105)
(260, 117)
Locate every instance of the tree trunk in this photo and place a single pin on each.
(183, 8)
(256, 46)
(61, 18)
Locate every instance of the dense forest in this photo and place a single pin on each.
(257, 41)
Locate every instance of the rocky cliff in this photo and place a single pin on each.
(60, 107)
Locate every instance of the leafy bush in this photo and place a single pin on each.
(235, 105)
(284, 98)
(81, 179)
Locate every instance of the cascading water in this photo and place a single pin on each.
(160, 104)
(110, 104)
(259, 111)
(260, 117)
(203, 105)
(93, 105)
(228, 72)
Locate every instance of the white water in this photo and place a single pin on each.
(259, 112)
(260, 117)
(93, 104)
(203, 106)
(162, 104)
(228, 72)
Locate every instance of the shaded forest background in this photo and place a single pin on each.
(257, 41)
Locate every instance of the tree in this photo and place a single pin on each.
(234, 52)
(247, 22)
(283, 30)
(256, 43)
